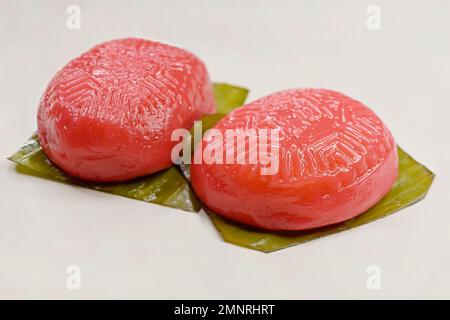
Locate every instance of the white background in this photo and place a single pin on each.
(132, 249)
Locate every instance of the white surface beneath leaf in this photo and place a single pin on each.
(131, 249)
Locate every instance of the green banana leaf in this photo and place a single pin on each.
(168, 187)
(228, 97)
(413, 182)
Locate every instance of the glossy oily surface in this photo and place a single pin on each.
(413, 182)
(167, 187)
(336, 160)
(108, 115)
(130, 249)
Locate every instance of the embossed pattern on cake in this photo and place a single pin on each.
(108, 114)
(335, 157)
